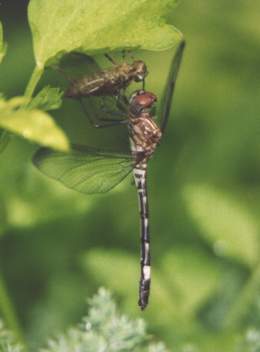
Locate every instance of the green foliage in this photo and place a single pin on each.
(203, 189)
(3, 46)
(201, 278)
(250, 342)
(119, 272)
(34, 125)
(105, 330)
(7, 341)
(49, 98)
(94, 26)
(226, 225)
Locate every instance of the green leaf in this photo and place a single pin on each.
(99, 26)
(224, 223)
(104, 329)
(34, 125)
(3, 45)
(49, 98)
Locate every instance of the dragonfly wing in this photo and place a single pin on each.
(76, 64)
(84, 169)
(170, 85)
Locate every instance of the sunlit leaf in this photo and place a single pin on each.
(3, 45)
(94, 26)
(49, 98)
(224, 223)
(34, 125)
(13, 103)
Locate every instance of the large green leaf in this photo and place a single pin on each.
(34, 125)
(100, 25)
(224, 223)
(2, 43)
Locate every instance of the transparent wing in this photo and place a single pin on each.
(84, 169)
(170, 85)
(74, 65)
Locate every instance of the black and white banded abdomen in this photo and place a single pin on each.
(145, 279)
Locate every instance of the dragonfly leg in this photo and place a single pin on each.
(127, 52)
(97, 124)
(110, 59)
(105, 110)
(122, 102)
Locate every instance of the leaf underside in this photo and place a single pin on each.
(98, 26)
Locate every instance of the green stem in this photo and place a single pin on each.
(8, 312)
(35, 77)
(245, 298)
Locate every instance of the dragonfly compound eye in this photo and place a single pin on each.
(144, 99)
(140, 101)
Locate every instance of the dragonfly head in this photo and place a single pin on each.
(139, 70)
(141, 101)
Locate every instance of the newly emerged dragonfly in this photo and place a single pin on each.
(89, 170)
(107, 82)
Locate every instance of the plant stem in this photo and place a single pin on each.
(245, 298)
(8, 312)
(35, 77)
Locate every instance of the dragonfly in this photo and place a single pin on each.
(90, 170)
(111, 81)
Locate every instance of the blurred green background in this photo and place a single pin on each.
(57, 246)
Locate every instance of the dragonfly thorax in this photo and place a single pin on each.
(144, 135)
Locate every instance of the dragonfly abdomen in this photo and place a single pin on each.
(145, 280)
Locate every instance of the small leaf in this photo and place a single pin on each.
(3, 45)
(34, 125)
(49, 98)
(224, 223)
(96, 26)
